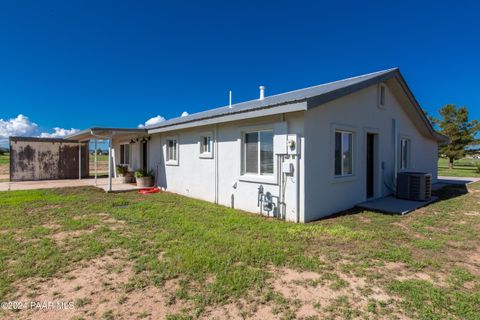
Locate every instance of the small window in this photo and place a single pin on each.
(404, 153)
(172, 150)
(206, 146)
(343, 153)
(258, 153)
(381, 96)
(124, 154)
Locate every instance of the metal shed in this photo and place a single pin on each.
(48, 159)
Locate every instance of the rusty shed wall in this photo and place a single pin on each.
(46, 159)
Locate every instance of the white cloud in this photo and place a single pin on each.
(152, 121)
(184, 114)
(58, 133)
(19, 126)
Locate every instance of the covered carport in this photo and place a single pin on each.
(106, 134)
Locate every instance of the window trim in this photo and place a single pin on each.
(355, 142)
(259, 154)
(120, 153)
(382, 88)
(172, 162)
(205, 155)
(250, 177)
(352, 134)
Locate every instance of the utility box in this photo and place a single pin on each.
(287, 167)
(280, 138)
(34, 159)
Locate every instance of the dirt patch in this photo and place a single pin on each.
(400, 272)
(314, 288)
(303, 294)
(63, 235)
(97, 289)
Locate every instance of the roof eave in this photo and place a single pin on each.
(293, 106)
(91, 132)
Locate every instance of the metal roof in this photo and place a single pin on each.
(328, 91)
(297, 100)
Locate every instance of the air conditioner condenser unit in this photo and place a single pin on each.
(414, 186)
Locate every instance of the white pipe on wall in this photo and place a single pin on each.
(95, 162)
(297, 187)
(110, 164)
(216, 163)
(79, 161)
(395, 153)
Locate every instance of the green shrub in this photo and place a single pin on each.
(144, 173)
(122, 169)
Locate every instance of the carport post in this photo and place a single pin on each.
(79, 161)
(95, 162)
(110, 164)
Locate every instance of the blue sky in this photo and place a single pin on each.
(76, 64)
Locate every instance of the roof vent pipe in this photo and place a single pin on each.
(230, 99)
(262, 92)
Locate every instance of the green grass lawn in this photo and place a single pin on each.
(461, 168)
(100, 158)
(5, 158)
(220, 255)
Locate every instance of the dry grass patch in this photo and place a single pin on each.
(97, 288)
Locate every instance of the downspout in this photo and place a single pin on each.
(395, 153)
(216, 164)
(95, 162)
(297, 186)
(79, 161)
(110, 165)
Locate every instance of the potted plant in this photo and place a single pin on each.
(122, 171)
(144, 178)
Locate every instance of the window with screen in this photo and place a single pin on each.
(258, 152)
(172, 150)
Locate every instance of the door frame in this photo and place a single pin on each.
(144, 151)
(377, 163)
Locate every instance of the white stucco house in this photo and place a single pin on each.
(315, 151)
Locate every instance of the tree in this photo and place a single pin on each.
(454, 123)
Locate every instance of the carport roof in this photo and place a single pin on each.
(103, 133)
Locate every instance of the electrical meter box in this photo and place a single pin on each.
(293, 144)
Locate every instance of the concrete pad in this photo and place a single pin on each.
(102, 183)
(443, 181)
(120, 187)
(391, 204)
(457, 180)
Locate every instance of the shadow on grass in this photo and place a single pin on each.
(443, 194)
(450, 191)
